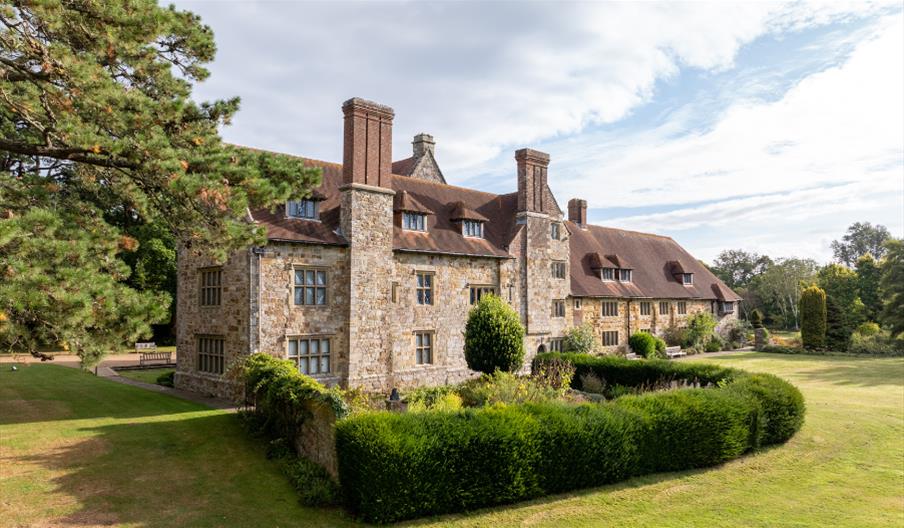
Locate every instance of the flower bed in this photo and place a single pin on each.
(396, 466)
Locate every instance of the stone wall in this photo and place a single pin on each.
(230, 319)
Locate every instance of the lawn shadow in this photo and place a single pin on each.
(189, 471)
(44, 393)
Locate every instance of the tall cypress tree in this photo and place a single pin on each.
(813, 317)
(838, 331)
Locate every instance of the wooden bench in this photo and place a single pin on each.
(148, 354)
(674, 352)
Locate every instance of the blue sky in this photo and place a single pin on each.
(764, 126)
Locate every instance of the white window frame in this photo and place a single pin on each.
(687, 279)
(625, 275)
(414, 221)
(607, 271)
(472, 228)
(308, 351)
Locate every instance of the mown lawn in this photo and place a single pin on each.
(81, 450)
(145, 375)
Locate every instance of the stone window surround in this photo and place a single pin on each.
(556, 344)
(210, 353)
(480, 290)
(578, 303)
(646, 308)
(431, 289)
(558, 308)
(555, 231)
(609, 308)
(212, 290)
(682, 308)
(559, 271)
(292, 286)
(320, 336)
(666, 305)
(610, 338)
(430, 348)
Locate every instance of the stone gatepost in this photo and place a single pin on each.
(760, 339)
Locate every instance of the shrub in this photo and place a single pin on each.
(714, 344)
(756, 318)
(167, 379)
(876, 345)
(643, 344)
(397, 466)
(700, 328)
(581, 339)
(868, 328)
(312, 483)
(675, 336)
(494, 337)
(813, 317)
(555, 373)
(782, 349)
(734, 332)
(838, 332)
(443, 398)
(660, 347)
(505, 388)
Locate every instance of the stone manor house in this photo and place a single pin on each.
(368, 282)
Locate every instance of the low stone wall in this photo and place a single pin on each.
(316, 438)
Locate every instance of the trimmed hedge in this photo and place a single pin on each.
(398, 466)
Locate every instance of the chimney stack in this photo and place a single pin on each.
(423, 143)
(367, 143)
(532, 188)
(577, 211)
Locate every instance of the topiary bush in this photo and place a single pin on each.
(813, 317)
(494, 337)
(756, 318)
(642, 344)
(397, 466)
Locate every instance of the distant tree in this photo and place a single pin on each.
(891, 286)
(97, 120)
(494, 337)
(861, 238)
(868, 276)
(838, 329)
(813, 317)
(780, 286)
(737, 267)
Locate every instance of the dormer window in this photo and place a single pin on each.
(624, 275)
(309, 209)
(414, 221)
(687, 278)
(607, 274)
(472, 228)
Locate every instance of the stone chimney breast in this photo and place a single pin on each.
(423, 143)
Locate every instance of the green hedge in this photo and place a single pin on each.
(398, 466)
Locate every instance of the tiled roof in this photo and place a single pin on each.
(650, 256)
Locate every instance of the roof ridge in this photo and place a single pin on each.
(654, 235)
(431, 182)
(303, 158)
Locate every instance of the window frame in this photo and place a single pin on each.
(557, 344)
(649, 308)
(606, 312)
(210, 354)
(308, 339)
(420, 347)
(213, 292)
(313, 287)
(687, 279)
(292, 207)
(558, 308)
(668, 307)
(413, 221)
(472, 228)
(723, 304)
(558, 269)
(608, 334)
(477, 291)
(681, 309)
(578, 303)
(425, 294)
(555, 231)
(607, 271)
(623, 273)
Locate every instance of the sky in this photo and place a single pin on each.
(769, 127)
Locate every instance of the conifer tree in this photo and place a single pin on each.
(813, 317)
(98, 130)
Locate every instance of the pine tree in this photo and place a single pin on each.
(813, 317)
(98, 134)
(868, 276)
(838, 332)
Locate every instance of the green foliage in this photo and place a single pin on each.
(838, 328)
(398, 466)
(891, 287)
(778, 289)
(675, 335)
(734, 333)
(737, 268)
(660, 347)
(756, 318)
(868, 329)
(280, 394)
(813, 317)
(555, 373)
(506, 388)
(869, 274)
(313, 484)
(100, 134)
(842, 285)
(167, 379)
(494, 337)
(861, 238)
(714, 344)
(643, 344)
(581, 339)
(700, 329)
(879, 344)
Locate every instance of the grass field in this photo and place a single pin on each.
(86, 451)
(145, 375)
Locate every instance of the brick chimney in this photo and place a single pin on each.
(423, 143)
(367, 144)
(577, 211)
(532, 190)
